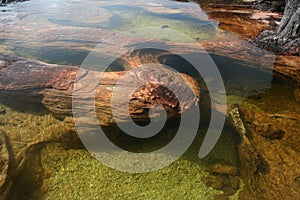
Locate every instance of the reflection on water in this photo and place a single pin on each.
(65, 32)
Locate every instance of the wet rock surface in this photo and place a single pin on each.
(249, 23)
(236, 18)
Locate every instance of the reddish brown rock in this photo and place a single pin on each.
(238, 20)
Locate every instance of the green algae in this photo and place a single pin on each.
(57, 167)
(77, 175)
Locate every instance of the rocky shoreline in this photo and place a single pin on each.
(268, 149)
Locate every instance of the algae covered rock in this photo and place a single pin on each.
(269, 165)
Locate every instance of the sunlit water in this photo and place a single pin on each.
(65, 32)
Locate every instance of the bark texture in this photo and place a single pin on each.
(52, 85)
(286, 38)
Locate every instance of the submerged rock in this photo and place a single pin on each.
(268, 167)
(223, 176)
(223, 169)
(215, 182)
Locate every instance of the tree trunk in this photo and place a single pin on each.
(286, 38)
(52, 85)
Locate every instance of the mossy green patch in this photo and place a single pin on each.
(77, 175)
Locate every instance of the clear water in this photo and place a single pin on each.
(65, 32)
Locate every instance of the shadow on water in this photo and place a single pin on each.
(23, 102)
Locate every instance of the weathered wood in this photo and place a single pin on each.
(54, 83)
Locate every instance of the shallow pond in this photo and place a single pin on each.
(65, 32)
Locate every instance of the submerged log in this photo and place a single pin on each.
(52, 85)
